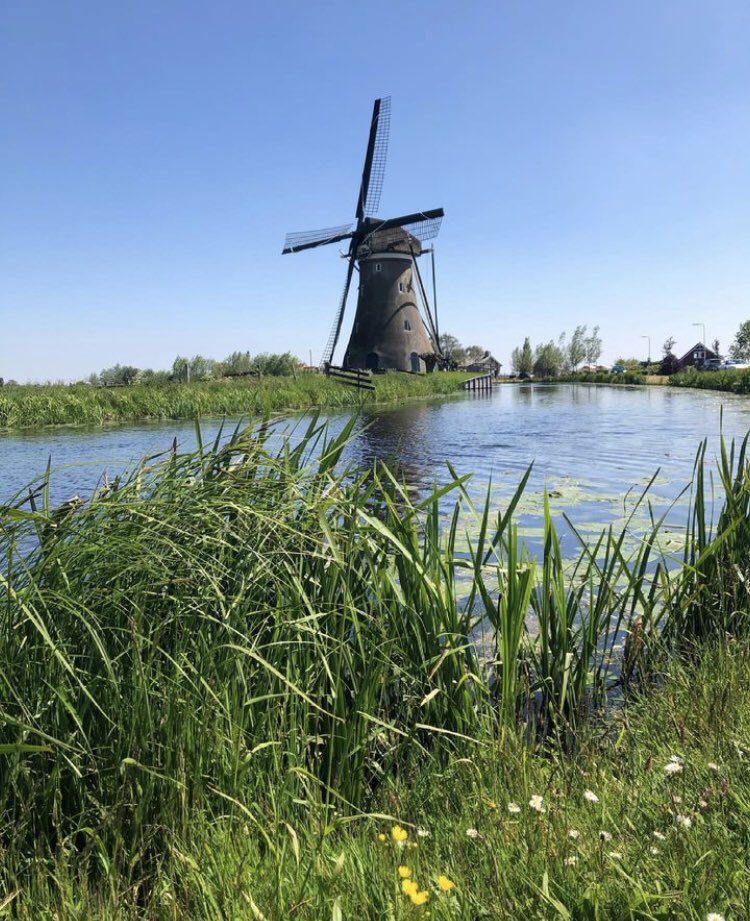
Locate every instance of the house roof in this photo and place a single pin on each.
(709, 353)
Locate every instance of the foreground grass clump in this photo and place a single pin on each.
(226, 675)
(30, 406)
(649, 819)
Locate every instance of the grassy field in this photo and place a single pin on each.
(33, 406)
(245, 684)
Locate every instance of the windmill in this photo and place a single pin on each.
(389, 331)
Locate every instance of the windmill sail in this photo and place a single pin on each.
(309, 239)
(373, 171)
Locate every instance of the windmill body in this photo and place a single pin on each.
(389, 330)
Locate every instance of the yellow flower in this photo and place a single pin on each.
(409, 887)
(404, 872)
(398, 833)
(419, 898)
(381, 836)
(445, 884)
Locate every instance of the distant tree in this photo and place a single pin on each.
(151, 378)
(272, 365)
(180, 369)
(669, 363)
(522, 359)
(201, 368)
(740, 348)
(118, 376)
(563, 347)
(449, 343)
(577, 347)
(2, 381)
(548, 360)
(715, 348)
(593, 346)
(473, 353)
(452, 348)
(237, 363)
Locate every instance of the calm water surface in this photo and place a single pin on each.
(590, 445)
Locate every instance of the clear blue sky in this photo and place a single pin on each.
(591, 157)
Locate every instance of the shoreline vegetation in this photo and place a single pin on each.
(40, 405)
(245, 683)
(35, 406)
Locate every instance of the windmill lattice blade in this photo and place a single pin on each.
(423, 230)
(307, 239)
(380, 153)
(333, 337)
(373, 172)
(425, 226)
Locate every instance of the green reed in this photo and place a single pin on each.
(35, 405)
(253, 624)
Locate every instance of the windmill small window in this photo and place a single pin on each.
(401, 287)
(407, 324)
(377, 266)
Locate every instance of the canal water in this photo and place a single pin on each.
(593, 447)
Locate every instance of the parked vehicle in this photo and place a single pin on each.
(618, 369)
(712, 364)
(735, 365)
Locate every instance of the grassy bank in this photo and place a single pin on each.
(729, 381)
(224, 677)
(33, 406)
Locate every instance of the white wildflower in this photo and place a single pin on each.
(714, 916)
(673, 767)
(713, 766)
(615, 855)
(423, 833)
(591, 796)
(514, 808)
(654, 851)
(537, 803)
(660, 836)
(472, 833)
(605, 836)
(570, 861)
(574, 834)
(684, 820)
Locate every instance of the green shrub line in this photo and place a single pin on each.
(34, 406)
(228, 656)
(601, 377)
(729, 381)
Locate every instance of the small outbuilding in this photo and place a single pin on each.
(487, 364)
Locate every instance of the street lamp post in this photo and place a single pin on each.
(649, 347)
